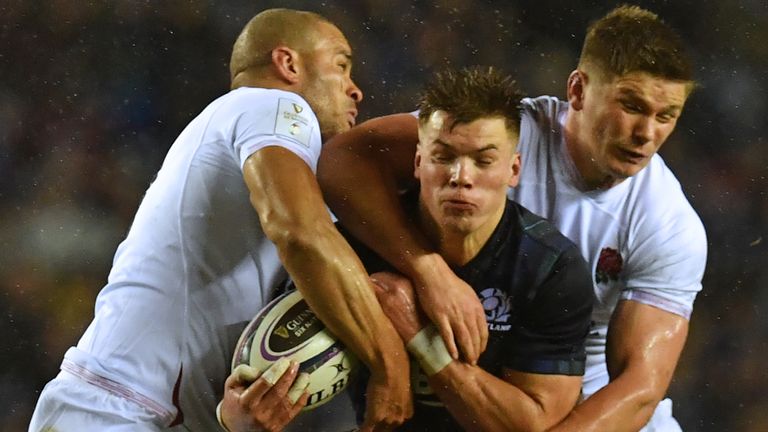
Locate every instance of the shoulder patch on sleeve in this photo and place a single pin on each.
(293, 121)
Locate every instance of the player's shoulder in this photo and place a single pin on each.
(538, 233)
(262, 101)
(264, 95)
(542, 107)
(544, 251)
(660, 207)
(540, 123)
(659, 193)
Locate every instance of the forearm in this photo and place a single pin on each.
(360, 177)
(625, 404)
(336, 287)
(373, 213)
(644, 344)
(480, 401)
(287, 199)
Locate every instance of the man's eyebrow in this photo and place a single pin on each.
(480, 150)
(487, 148)
(672, 110)
(632, 93)
(636, 97)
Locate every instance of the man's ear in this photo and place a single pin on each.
(287, 64)
(417, 162)
(514, 171)
(575, 90)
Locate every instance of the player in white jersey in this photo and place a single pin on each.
(589, 164)
(199, 262)
(646, 223)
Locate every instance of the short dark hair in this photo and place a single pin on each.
(631, 39)
(472, 93)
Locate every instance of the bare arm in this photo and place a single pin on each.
(329, 275)
(361, 172)
(478, 400)
(644, 345)
(518, 402)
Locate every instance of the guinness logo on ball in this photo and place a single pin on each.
(282, 332)
(295, 327)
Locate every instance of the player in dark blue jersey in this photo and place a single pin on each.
(532, 281)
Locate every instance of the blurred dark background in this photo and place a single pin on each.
(93, 93)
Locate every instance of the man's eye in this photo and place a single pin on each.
(665, 118)
(629, 106)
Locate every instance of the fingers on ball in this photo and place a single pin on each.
(246, 374)
(298, 388)
(276, 370)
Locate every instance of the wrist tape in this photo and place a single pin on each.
(218, 416)
(429, 349)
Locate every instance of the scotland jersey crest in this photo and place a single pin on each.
(497, 308)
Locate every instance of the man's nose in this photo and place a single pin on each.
(461, 174)
(644, 130)
(354, 92)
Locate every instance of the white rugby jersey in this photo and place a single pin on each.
(196, 265)
(642, 239)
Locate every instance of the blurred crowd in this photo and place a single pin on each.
(93, 93)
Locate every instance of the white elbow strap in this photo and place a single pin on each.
(429, 349)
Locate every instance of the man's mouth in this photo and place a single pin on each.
(631, 156)
(459, 204)
(352, 117)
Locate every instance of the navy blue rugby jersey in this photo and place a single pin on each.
(537, 294)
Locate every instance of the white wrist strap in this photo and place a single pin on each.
(218, 417)
(429, 349)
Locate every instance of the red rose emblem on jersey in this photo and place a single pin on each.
(608, 265)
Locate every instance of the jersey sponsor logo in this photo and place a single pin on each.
(497, 308)
(609, 265)
(291, 123)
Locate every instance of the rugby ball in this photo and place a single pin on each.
(287, 327)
